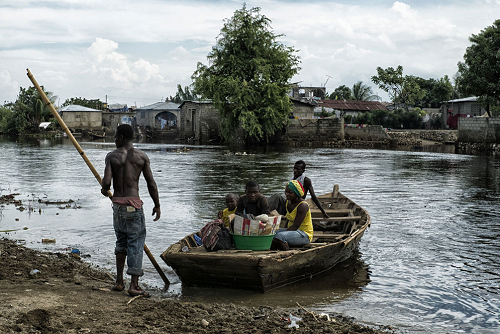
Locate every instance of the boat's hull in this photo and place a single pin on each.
(260, 270)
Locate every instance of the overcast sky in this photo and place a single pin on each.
(136, 52)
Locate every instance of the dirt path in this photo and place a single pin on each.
(66, 295)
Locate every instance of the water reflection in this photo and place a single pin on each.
(336, 284)
(433, 249)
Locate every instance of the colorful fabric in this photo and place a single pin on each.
(210, 234)
(225, 216)
(296, 187)
(306, 225)
(136, 202)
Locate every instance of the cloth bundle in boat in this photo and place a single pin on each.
(215, 236)
(246, 226)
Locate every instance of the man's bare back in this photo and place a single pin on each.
(123, 167)
(126, 167)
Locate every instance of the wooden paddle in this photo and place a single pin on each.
(87, 161)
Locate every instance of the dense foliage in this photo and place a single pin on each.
(26, 114)
(185, 94)
(388, 119)
(403, 89)
(6, 120)
(362, 92)
(248, 75)
(435, 92)
(341, 93)
(480, 70)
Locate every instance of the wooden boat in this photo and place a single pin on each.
(334, 241)
(97, 135)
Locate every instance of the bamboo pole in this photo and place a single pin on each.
(87, 161)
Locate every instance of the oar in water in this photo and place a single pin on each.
(87, 161)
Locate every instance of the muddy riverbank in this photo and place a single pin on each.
(58, 293)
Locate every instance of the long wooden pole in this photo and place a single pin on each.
(87, 161)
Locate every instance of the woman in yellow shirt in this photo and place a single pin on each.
(300, 228)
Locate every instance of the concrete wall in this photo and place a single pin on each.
(302, 110)
(199, 121)
(111, 120)
(149, 118)
(461, 109)
(316, 129)
(83, 120)
(370, 132)
(479, 130)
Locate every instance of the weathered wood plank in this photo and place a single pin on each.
(330, 236)
(338, 219)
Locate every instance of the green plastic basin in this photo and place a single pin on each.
(252, 242)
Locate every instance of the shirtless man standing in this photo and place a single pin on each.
(124, 166)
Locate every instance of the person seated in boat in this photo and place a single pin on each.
(231, 200)
(277, 201)
(298, 174)
(253, 202)
(300, 227)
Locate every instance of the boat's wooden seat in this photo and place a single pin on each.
(327, 237)
(337, 219)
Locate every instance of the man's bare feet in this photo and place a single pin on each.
(138, 292)
(118, 287)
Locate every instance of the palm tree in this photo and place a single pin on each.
(361, 92)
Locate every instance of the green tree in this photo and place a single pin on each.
(362, 92)
(6, 120)
(480, 70)
(406, 119)
(94, 103)
(435, 91)
(29, 110)
(248, 76)
(185, 94)
(442, 91)
(341, 93)
(401, 88)
(458, 91)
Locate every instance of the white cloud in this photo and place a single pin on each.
(102, 47)
(139, 51)
(7, 85)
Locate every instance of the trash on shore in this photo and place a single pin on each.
(34, 272)
(48, 241)
(294, 320)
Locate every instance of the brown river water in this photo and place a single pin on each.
(429, 263)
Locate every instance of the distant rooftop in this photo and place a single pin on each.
(75, 107)
(160, 106)
(352, 105)
(465, 99)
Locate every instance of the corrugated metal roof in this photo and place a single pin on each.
(352, 105)
(160, 106)
(465, 99)
(75, 107)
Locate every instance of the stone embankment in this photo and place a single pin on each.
(478, 147)
(404, 138)
(395, 138)
(418, 137)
